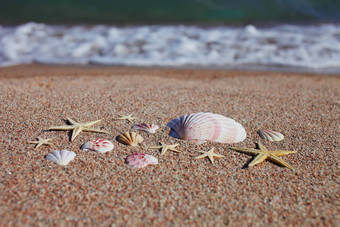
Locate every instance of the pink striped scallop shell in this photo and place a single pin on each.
(201, 127)
(98, 145)
(140, 160)
(149, 128)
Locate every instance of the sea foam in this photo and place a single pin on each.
(313, 46)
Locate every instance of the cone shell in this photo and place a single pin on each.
(149, 128)
(99, 145)
(62, 157)
(130, 138)
(201, 127)
(270, 135)
(140, 160)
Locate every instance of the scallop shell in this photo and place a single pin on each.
(201, 127)
(149, 128)
(99, 145)
(130, 138)
(62, 157)
(270, 135)
(139, 160)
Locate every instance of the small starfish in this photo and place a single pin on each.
(129, 118)
(210, 154)
(262, 154)
(41, 141)
(78, 127)
(166, 147)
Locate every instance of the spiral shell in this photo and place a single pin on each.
(201, 127)
(270, 135)
(149, 128)
(62, 157)
(130, 138)
(99, 145)
(139, 160)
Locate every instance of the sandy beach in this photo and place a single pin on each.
(101, 190)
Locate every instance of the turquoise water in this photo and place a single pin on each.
(168, 11)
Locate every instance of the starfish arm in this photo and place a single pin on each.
(219, 155)
(246, 150)
(94, 130)
(164, 150)
(156, 147)
(260, 158)
(261, 146)
(38, 145)
(63, 127)
(72, 121)
(277, 160)
(87, 124)
(76, 132)
(211, 158)
(281, 153)
(201, 156)
(175, 150)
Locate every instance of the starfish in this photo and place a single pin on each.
(129, 118)
(262, 154)
(210, 154)
(41, 141)
(78, 127)
(166, 147)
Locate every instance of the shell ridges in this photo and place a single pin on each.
(62, 157)
(140, 160)
(149, 128)
(202, 127)
(130, 138)
(98, 145)
(270, 135)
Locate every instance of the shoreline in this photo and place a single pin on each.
(29, 70)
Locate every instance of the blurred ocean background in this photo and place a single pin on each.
(293, 35)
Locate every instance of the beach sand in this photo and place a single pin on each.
(101, 190)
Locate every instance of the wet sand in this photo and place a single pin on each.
(101, 190)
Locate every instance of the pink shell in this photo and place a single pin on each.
(201, 127)
(139, 160)
(99, 145)
(149, 128)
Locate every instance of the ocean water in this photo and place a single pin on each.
(314, 48)
(139, 12)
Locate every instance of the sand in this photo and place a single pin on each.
(101, 190)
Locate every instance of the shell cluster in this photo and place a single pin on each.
(130, 138)
(201, 127)
(62, 157)
(98, 145)
(270, 135)
(139, 160)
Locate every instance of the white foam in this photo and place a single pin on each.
(316, 47)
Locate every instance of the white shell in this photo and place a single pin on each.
(62, 157)
(201, 127)
(99, 145)
(149, 128)
(139, 160)
(270, 135)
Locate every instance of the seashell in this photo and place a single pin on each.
(270, 135)
(149, 128)
(139, 160)
(62, 157)
(99, 145)
(201, 127)
(130, 138)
